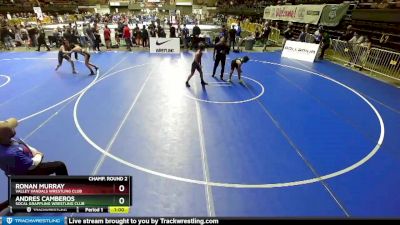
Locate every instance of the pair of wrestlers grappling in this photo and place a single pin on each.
(65, 52)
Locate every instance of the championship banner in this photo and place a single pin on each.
(294, 13)
(165, 45)
(333, 14)
(300, 51)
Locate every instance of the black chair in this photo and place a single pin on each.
(4, 210)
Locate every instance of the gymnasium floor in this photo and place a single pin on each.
(296, 140)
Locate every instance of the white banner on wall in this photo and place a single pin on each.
(300, 51)
(38, 12)
(294, 13)
(165, 45)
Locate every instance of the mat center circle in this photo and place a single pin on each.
(4, 80)
(225, 86)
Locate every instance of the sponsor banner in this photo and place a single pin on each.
(16, 220)
(183, 2)
(165, 45)
(300, 51)
(333, 14)
(294, 13)
(38, 12)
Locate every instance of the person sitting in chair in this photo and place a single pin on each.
(18, 158)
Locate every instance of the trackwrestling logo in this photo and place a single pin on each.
(33, 220)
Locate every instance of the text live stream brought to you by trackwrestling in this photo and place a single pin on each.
(104, 220)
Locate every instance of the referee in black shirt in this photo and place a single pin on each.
(221, 49)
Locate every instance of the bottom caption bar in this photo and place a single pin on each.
(38, 220)
(102, 220)
(141, 221)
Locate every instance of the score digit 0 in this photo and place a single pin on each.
(121, 200)
(121, 188)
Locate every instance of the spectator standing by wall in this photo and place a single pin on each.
(257, 34)
(32, 31)
(127, 37)
(145, 37)
(352, 46)
(75, 34)
(162, 33)
(6, 37)
(57, 35)
(89, 35)
(348, 34)
(275, 25)
(224, 32)
(69, 37)
(303, 34)
(153, 32)
(238, 35)
(97, 38)
(107, 36)
(81, 36)
(24, 36)
(185, 36)
(287, 34)
(138, 35)
(318, 35)
(159, 28)
(239, 30)
(18, 38)
(365, 50)
(42, 39)
(172, 31)
(120, 30)
(232, 37)
(265, 35)
(325, 42)
(117, 37)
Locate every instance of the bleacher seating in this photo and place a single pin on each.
(382, 4)
(383, 34)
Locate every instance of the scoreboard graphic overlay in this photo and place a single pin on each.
(79, 194)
